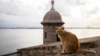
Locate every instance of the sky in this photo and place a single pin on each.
(29, 13)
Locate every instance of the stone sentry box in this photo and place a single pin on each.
(51, 20)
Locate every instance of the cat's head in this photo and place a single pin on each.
(59, 29)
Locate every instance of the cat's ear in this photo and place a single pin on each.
(62, 27)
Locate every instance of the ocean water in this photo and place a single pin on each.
(13, 39)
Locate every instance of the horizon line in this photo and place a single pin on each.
(42, 27)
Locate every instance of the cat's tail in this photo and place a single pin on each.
(85, 51)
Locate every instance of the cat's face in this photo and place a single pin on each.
(59, 30)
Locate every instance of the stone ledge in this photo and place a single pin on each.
(53, 48)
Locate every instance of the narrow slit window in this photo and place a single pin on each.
(45, 34)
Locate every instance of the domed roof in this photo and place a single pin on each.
(52, 16)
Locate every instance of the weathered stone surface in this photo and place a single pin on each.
(77, 54)
(54, 49)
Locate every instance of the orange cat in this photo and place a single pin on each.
(70, 43)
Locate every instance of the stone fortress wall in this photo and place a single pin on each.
(53, 49)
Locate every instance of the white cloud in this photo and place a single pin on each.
(31, 12)
(95, 22)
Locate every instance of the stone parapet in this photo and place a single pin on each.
(54, 48)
